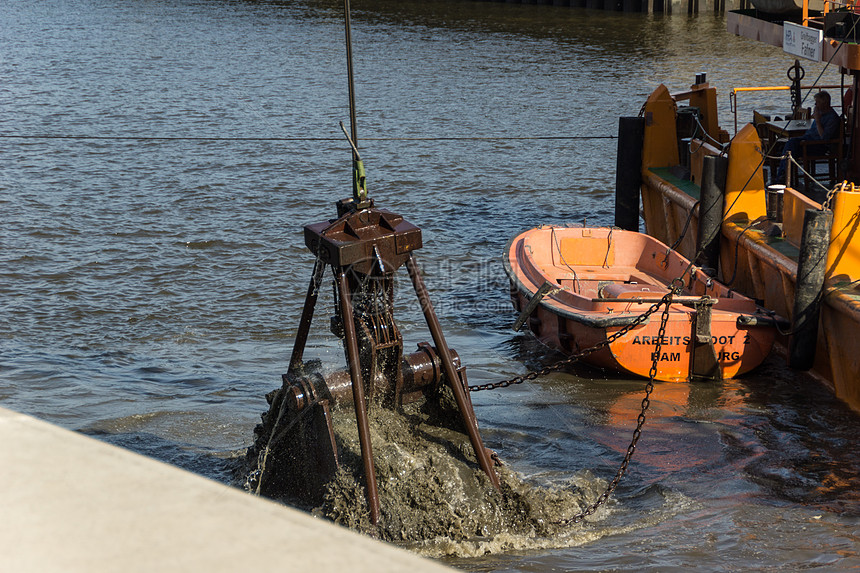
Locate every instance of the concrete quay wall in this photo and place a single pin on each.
(73, 504)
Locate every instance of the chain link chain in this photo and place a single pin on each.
(640, 421)
(675, 288)
(826, 204)
(582, 353)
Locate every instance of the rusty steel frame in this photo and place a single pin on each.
(367, 240)
(464, 403)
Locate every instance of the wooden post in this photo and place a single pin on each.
(811, 268)
(711, 204)
(628, 172)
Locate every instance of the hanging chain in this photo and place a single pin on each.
(827, 203)
(666, 300)
(646, 401)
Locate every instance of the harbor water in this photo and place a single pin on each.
(160, 158)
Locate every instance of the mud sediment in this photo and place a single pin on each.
(431, 488)
(435, 500)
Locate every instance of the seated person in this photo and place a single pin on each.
(825, 125)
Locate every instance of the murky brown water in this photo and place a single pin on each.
(151, 288)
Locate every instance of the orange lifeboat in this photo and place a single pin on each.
(576, 286)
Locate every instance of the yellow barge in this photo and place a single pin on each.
(759, 249)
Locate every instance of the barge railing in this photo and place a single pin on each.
(733, 96)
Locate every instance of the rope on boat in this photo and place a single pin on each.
(766, 155)
(564, 262)
(686, 226)
(800, 168)
(723, 146)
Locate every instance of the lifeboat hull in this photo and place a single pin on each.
(604, 279)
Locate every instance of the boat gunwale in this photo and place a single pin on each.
(624, 317)
(834, 294)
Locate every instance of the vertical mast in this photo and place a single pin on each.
(359, 190)
(352, 129)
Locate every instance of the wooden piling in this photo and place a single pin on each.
(711, 203)
(811, 268)
(628, 172)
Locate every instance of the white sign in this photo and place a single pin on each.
(802, 41)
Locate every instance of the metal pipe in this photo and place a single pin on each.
(420, 370)
(358, 397)
(675, 299)
(460, 395)
(348, 26)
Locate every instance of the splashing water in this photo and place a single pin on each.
(435, 500)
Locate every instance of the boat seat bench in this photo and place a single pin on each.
(619, 290)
